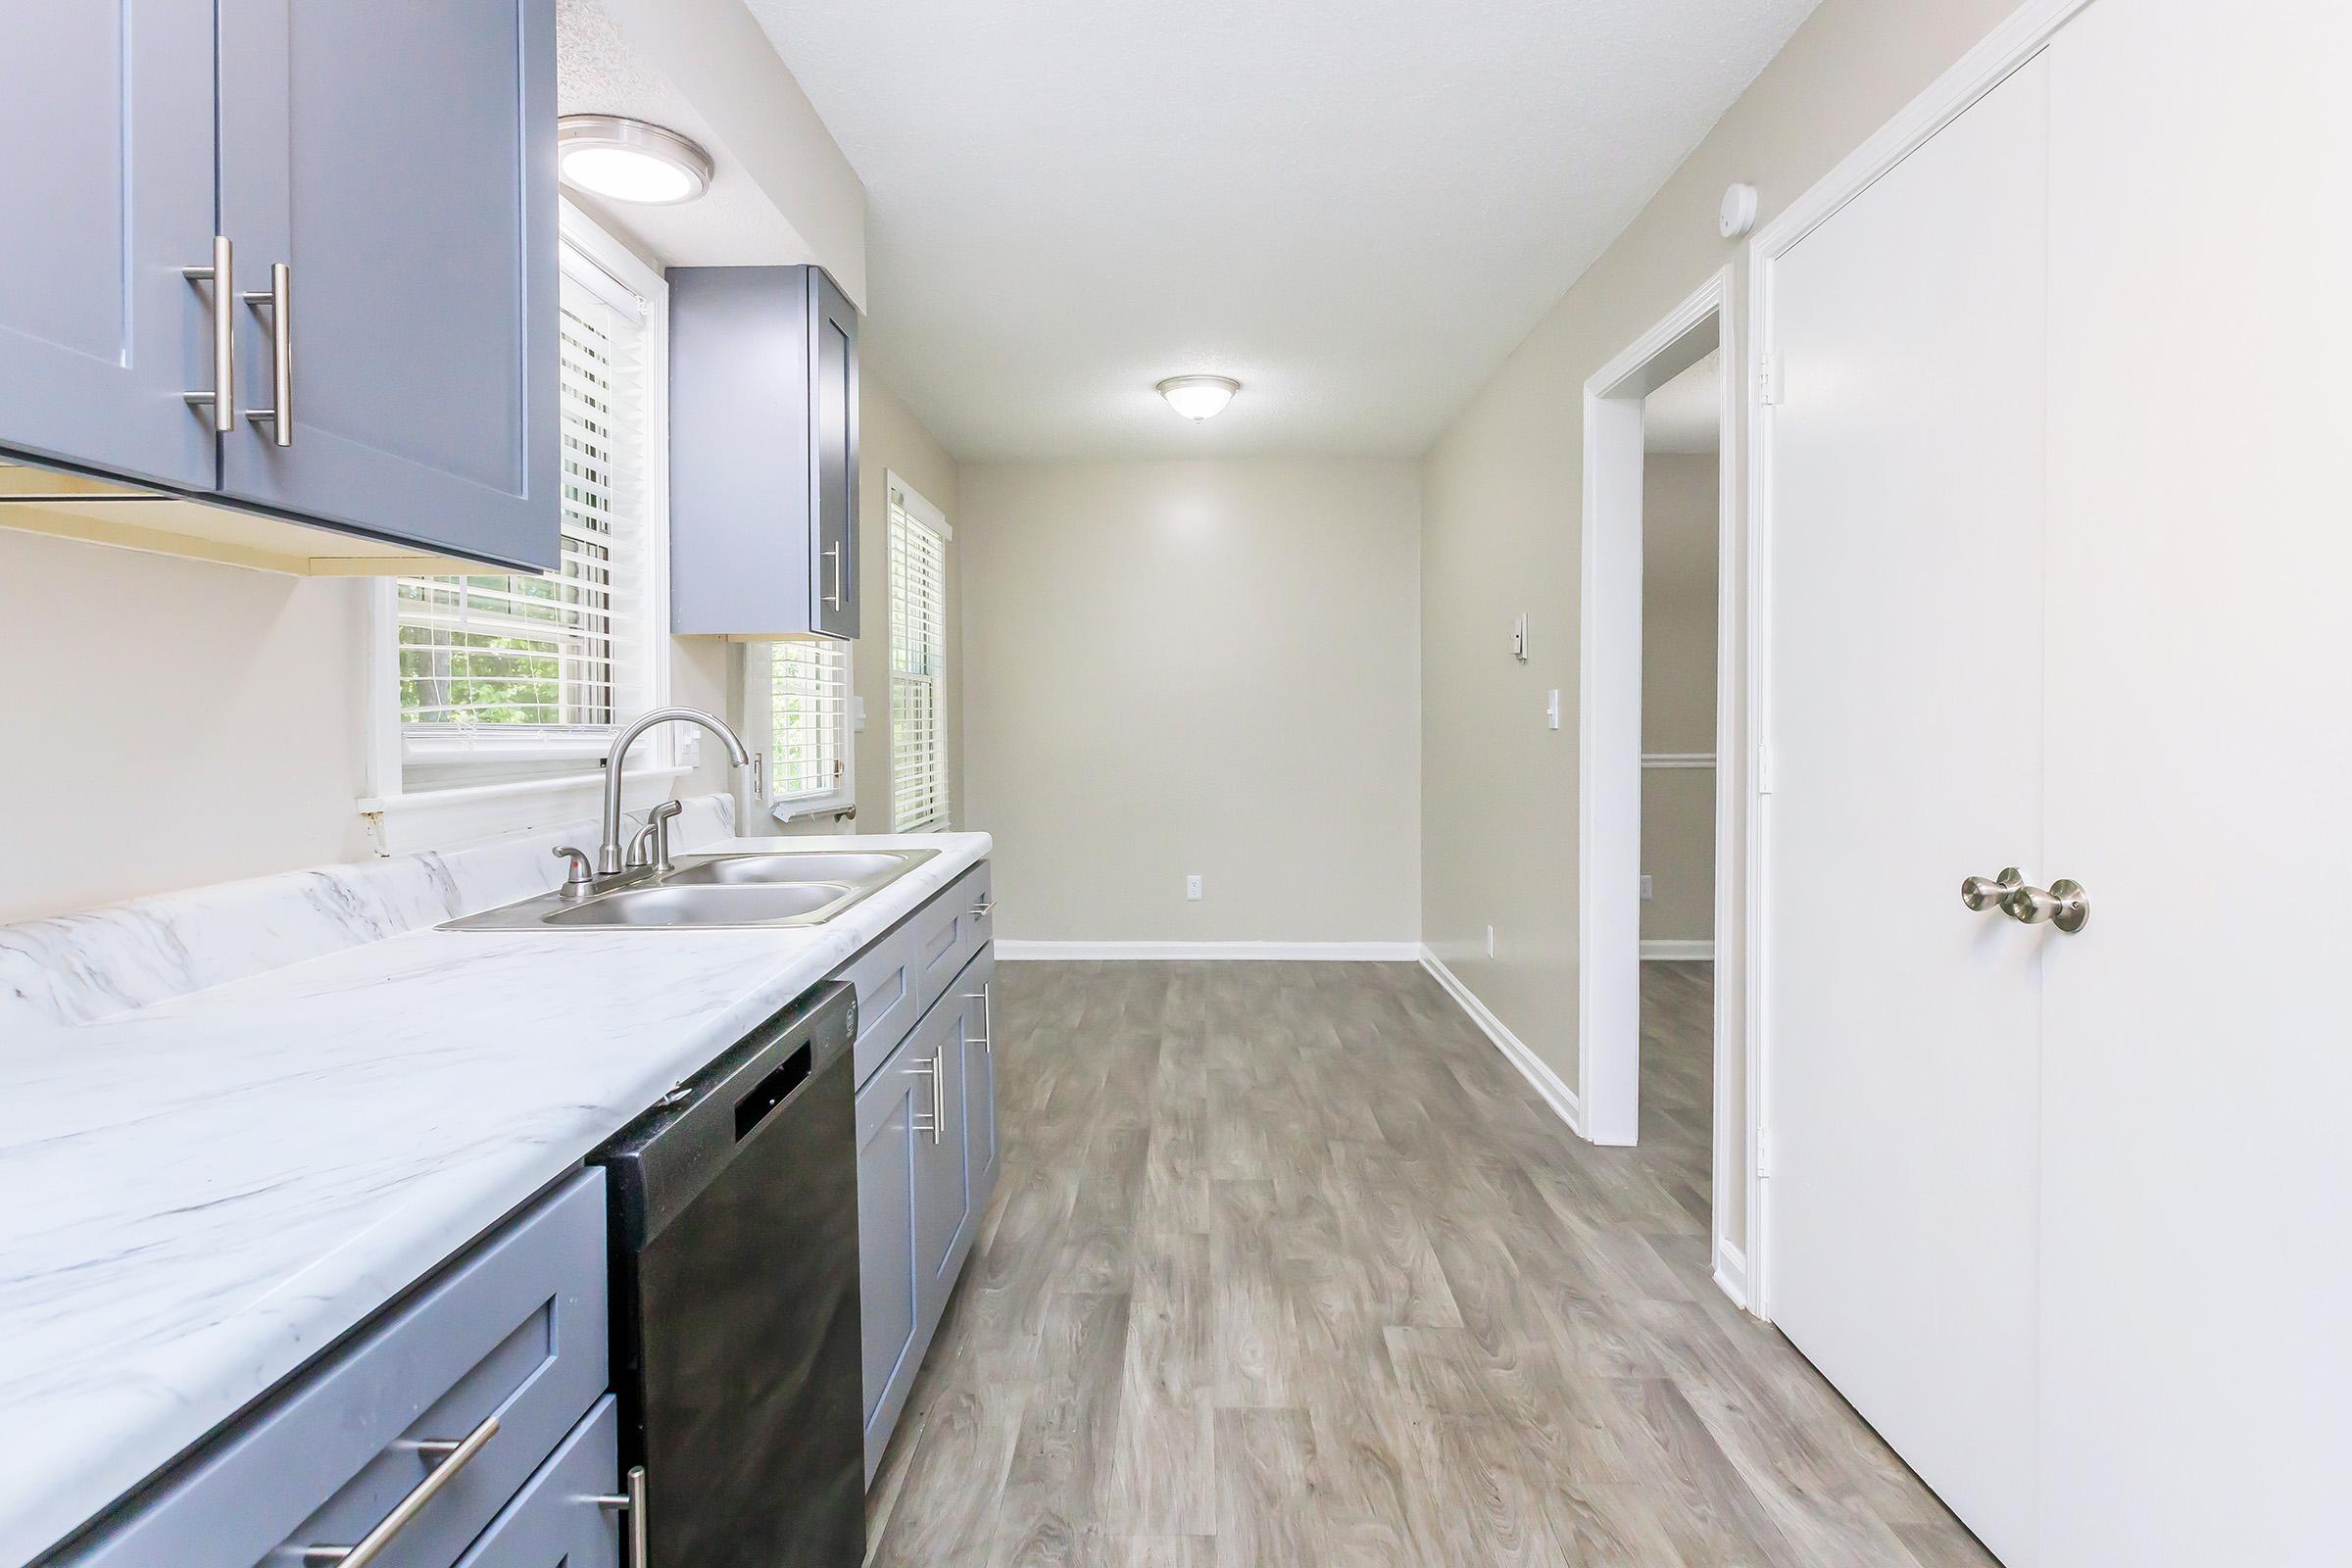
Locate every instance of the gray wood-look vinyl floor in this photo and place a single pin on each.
(1287, 1265)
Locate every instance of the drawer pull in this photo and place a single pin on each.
(980, 909)
(632, 1504)
(988, 1016)
(452, 1456)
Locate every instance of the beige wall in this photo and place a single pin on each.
(1208, 667)
(1681, 515)
(1501, 500)
(171, 724)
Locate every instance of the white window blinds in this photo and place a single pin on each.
(525, 666)
(918, 665)
(808, 721)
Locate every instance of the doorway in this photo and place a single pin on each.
(1682, 487)
(1661, 697)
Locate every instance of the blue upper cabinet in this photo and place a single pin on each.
(399, 162)
(107, 112)
(763, 453)
(384, 180)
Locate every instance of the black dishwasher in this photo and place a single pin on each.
(735, 1302)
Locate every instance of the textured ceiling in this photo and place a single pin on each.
(1685, 415)
(733, 224)
(1356, 207)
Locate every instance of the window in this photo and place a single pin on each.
(507, 677)
(799, 718)
(919, 662)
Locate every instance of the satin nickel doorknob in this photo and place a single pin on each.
(1986, 893)
(2063, 903)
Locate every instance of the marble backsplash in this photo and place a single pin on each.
(78, 969)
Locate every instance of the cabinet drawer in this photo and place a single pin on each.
(901, 975)
(948, 931)
(888, 998)
(516, 1331)
(556, 1520)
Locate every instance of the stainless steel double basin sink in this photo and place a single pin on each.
(746, 888)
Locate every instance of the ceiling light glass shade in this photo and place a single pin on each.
(1199, 397)
(629, 161)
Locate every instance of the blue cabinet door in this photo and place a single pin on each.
(977, 991)
(889, 1108)
(833, 455)
(106, 107)
(942, 1191)
(400, 161)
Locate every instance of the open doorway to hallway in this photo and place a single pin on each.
(1680, 536)
(1658, 761)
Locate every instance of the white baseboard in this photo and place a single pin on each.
(1283, 952)
(1684, 948)
(1539, 1077)
(1731, 1272)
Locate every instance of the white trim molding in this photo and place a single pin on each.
(1220, 952)
(1609, 756)
(2008, 46)
(1549, 1085)
(1679, 950)
(441, 820)
(1731, 1272)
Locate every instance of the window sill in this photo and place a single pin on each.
(436, 819)
(801, 810)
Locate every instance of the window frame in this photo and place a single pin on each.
(921, 513)
(758, 677)
(405, 812)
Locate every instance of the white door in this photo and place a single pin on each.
(2197, 1058)
(1905, 732)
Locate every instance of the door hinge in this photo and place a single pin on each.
(1772, 381)
(1764, 1152)
(1763, 769)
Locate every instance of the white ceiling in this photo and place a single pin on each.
(1356, 207)
(733, 224)
(1685, 415)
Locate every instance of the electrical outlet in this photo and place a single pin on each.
(1647, 889)
(690, 750)
(1191, 887)
(1489, 942)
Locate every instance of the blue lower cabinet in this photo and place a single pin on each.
(927, 1163)
(563, 1518)
(436, 1416)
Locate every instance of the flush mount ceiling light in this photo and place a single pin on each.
(1199, 397)
(630, 160)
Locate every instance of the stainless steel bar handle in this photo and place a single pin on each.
(631, 1503)
(279, 298)
(2063, 903)
(981, 909)
(222, 398)
(932, 1068)
(988, 1013)
(1986, 893)
(939, 1093)
(835, 600)
(451, 1457)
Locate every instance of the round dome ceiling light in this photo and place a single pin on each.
(629, 161)
(1199, 397)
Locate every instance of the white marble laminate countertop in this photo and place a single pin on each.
(196, 1196)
